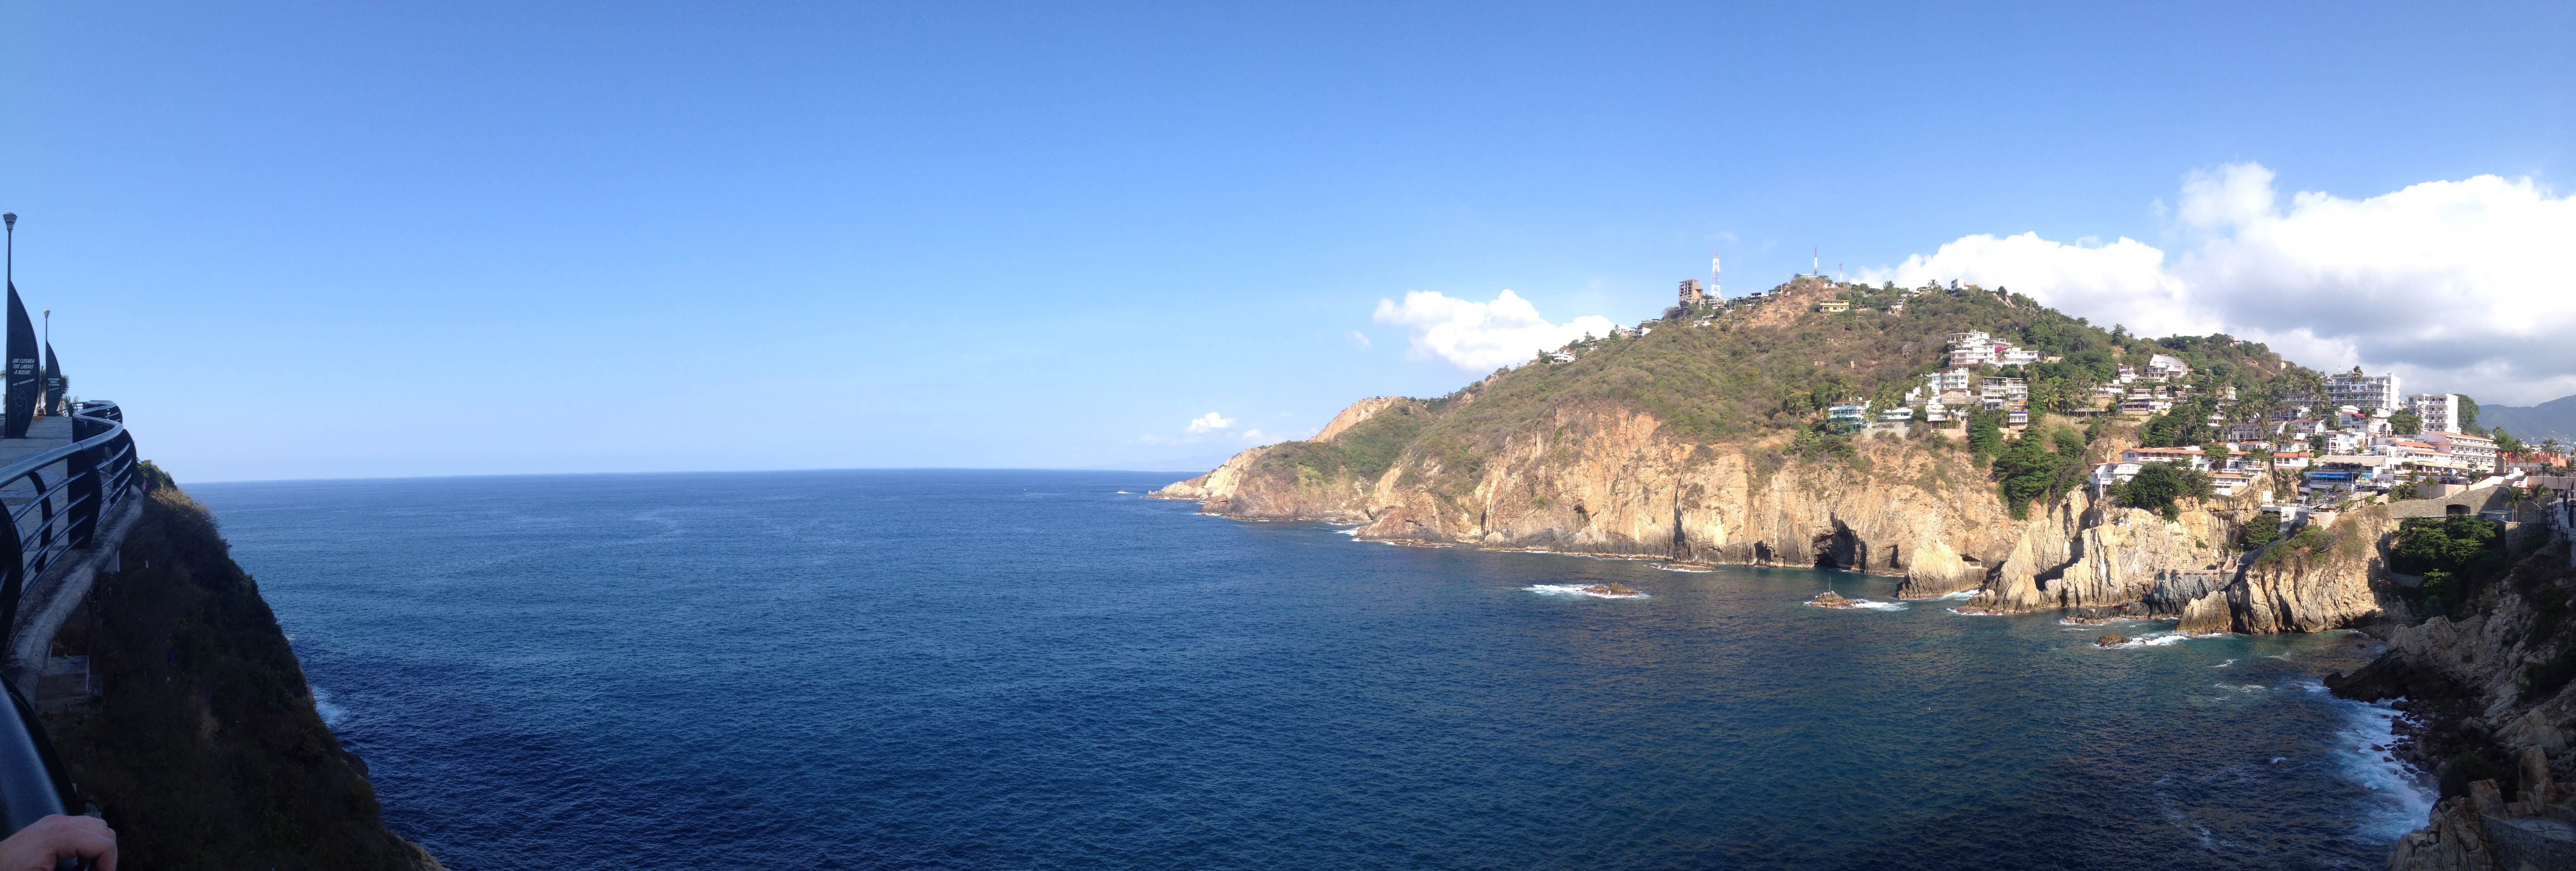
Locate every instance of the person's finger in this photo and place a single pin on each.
(85, 836)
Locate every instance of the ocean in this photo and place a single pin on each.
(1038, 669)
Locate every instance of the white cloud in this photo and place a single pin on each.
(1254, 434)
(1209, 422)
(1360, 339)
(2455, 285)
(1478, 336)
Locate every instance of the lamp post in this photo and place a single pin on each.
(12, 220)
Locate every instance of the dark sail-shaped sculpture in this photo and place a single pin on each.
(23, 379)
(53, 383)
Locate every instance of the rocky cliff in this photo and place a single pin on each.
(2490, 710)
(205, 749)
(1702, 443)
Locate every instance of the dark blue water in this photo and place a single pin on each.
(1030, 670)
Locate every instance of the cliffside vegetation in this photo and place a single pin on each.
(1762, 376)
(205, 750)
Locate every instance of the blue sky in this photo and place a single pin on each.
(334, 240)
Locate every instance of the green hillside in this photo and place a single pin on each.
(1762, 374)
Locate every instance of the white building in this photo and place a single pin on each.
(2477, 452)
(2190, 458)
(2001, 389)
(2107, 474)
(2166, 367)
(2439, 411)
(2366, 391)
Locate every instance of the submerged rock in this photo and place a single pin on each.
(1830, 599)
(1611, 590)
(2112, 640)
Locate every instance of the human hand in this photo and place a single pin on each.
(44, 842)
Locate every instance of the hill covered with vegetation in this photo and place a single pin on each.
(1761, 373)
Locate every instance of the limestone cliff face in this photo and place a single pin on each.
(1267, 482)
(1244, 489)
(1601, 479)
(2482, 714)
(2338, 580)
(1357, 414)
(1605, 480)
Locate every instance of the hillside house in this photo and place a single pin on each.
(2440, 412)
(2229, 483)
(1853, 411)
(2107, 474)
(1834, 306)
(2163, 367)
(2363, 391)
(2477, 452)
(2191, 458)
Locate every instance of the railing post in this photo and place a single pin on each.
(85, 491)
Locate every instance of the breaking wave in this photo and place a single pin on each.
(1674, 568)
(1577, 590)
(2153, 639)
(1880, 606)
(2361, 753)
(332, 715)
(1960, 596)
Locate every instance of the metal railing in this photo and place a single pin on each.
(48, 518)
(51, 504)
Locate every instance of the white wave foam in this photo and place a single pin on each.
(1674, 568)
(2403, 802)
(1577, 590)
(2153, 639)
(1353, 532)
(1880, 606)
(1960, 596)
(2224, 664)
(332, 715)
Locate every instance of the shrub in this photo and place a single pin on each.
(2160, 487)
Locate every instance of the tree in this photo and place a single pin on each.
(2160, 487)
(2441, 543)
(2469, 416)
(2506, 444)
(2033, 469)
(1985, 434)
(2186, 424)
(2405, 423)
(2262, 530)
